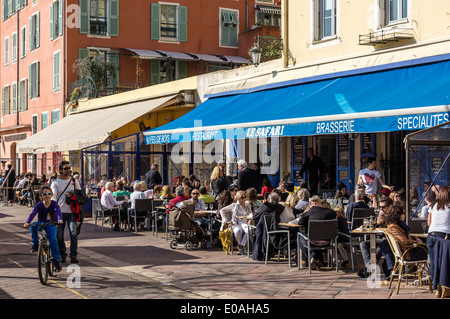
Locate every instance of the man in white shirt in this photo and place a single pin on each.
(60, 187)
(108, 201)
(370, 177)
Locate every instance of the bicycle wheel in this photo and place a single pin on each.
(43, 263)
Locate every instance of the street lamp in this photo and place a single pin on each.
(255, 54)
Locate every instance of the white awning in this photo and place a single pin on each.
(82, 129)
(269, 9)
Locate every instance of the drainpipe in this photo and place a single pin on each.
(17, 68)
(246, 15)
(285, 33)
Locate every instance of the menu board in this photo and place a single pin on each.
(297, 149)
(367, 143)
(343, 150)
(414, 172)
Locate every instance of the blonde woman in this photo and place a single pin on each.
(252, 199)
(290, 211)
(219, 182)
(167, 192)
(238, 213)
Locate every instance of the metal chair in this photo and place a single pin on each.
(323, 230)
(359, 214)
(157, 214)
(268, 222)
(140, 205)
(98, 208)
(402, 265)
(251, 233)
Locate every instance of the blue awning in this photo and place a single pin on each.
(414, 96)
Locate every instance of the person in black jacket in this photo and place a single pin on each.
(315, 211)
(219, 182)
(9, 183)
(152, 177)
(247, 177)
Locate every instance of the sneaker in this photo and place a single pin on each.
(34, 248)
(57, 266)
(74, 260)
(344, 263)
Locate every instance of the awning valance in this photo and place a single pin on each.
(269, 9)
(182, 56)
(83, 129)
(412, 97)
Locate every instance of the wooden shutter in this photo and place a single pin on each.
(182, 23)
(56, 72)
(155, 72)
(182, 69)
(155, 27)
(14, 98)
(52, 23)
(84, 16)
(60, 16)
(37, 30)
(114, 18)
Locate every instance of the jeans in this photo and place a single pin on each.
(51, 235)
(431, 240)
(72, 225)
(365, 251)
(315, 254)
(388, 255)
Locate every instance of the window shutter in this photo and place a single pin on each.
(52, 23)
(84, 16)
(9, 7)
(37, 79)
(60, 17)
(14, 47)
(24, 42)
(14, 98)
(6, 51)
(37, 30)
(30, 32)
(114, 18)
(55, 116)
(155, 27)
(155, 72)
(182, 69)
(114, 58)
(56, 72)
(3, 101)
(182, 23)
(44, 120)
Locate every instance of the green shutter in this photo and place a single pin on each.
(37, 30)
(82, 54)
(182, 23)
(30, 32)
(114, 18)
(60, 17)
(44, 120)
(84, 16)
(182, 69)
(36, 79)
(14, 98)
(155, 72)
(30, 83)
(56, 72)
(155, 28)
(52, 25)
(114, 58)
(55, 116)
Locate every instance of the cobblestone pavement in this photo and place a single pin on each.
(124, 265)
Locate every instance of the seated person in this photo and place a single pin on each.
(385, 203)
(108, 202)
(341, 192)
(252, 199)
(155, 193)
(397, 227)
(303, 199)
(204, 196)
(166, 193)
(359, 203)
(136, 194)
(266, 187)
(342, 228)
(199, 205)
(120, 186)
(314, 212)
(289, 213)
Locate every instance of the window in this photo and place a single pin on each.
(23, 95)
(34, 31)
(271, 19)
(34, 80)
(55, 116)
(166, 71)
(396, 10)
(44, 120)
(168, 22)
(229, 28)
(5, 100)
(23, 40)
(325, 19)
(56, 71)
(14, 48)
(99, 17)
(6, 51)
(34, 120)
(56, 12)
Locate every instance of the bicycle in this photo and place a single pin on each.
(46, 266)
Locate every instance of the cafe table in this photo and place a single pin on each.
(372, 234)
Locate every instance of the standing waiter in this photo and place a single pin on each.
(314, 166)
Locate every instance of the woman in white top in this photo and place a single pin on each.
(289, 212)
(137, 194)
(238, 213)
(438, 221)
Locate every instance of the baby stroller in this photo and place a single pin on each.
(184, 229)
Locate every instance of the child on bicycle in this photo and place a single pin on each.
(47, 210)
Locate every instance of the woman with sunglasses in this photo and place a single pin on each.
(46, 209)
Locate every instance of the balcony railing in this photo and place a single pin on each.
(82, 88)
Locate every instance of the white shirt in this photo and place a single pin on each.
(59, 190)
(200, 205)
(287, 215)
(230, 212)
(440, 220)
(370, 180)
(136, 195)
(108, 201)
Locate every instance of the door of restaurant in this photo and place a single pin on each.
(325, 148)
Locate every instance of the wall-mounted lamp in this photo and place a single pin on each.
(255, 54)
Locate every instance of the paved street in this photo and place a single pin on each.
(123, 265)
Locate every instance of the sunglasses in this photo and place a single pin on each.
(195, 193)
(46, 194)
(67, 168)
